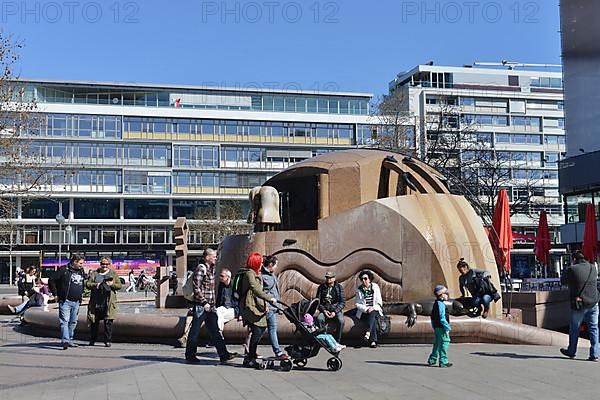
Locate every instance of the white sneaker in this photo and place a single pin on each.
(367, 336)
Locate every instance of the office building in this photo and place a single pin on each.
(125, 160)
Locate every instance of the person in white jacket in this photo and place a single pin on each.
(369, 305)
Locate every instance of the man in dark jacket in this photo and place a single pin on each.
(583, 293)
(331, 303)
(67, 287)
(227, 307)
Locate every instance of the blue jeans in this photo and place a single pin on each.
(272, 327)
(210, 319)
(371, 320)
(68, 311)
(339, 320)
(486, 299)
(590, 316)
(328, 340)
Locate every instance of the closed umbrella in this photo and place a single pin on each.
(542, 243)
(590, 234)
(501, 234)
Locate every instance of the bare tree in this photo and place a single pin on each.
(451, 143)
(21, 169)
(395, 126)
(230, 220)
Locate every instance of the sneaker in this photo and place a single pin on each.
(65, 346)
(447, 365)
(594, 359)
(12, 309)
(107, 344)
(564, 352)
(282, 356)
(73, 344)
(373, 345)
(431, 364)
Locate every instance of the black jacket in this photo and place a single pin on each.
(338, 299)
(224, 293)
(576, 277)
(60, 281)
(474, 281)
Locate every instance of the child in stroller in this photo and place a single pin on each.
(308, 343)
(325, 338)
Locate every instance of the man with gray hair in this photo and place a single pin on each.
(227, 307)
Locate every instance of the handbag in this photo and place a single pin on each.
(384, 325)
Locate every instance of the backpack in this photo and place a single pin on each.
(236, 286)
(188, 283)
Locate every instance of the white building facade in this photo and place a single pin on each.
(516, 113)
(125, 160)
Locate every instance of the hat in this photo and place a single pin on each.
(439, 288)
(329, 274)
(308, 319)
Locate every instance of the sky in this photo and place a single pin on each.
(349, 45)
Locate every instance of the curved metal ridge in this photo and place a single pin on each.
(314, 272)
(330, 264)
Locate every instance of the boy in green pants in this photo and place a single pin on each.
(441, 326)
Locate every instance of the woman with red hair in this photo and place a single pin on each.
(253, 304)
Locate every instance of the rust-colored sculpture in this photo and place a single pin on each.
(362, 208)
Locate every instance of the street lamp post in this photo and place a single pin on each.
(60, 219)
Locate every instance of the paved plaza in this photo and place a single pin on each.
(35, 367)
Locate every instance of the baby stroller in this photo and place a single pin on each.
(307, 345)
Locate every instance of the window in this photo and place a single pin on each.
(43, 208)
(134, 236)
(194, 209)
(146, 209)
(159, 237)
(502, 138)
(96, 208)
(467, 101)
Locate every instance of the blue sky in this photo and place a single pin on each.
(345, 45)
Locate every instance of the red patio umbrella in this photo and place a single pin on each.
(590, 234)
(501, 234)
(542, 241)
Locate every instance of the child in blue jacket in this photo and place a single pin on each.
(440, 322)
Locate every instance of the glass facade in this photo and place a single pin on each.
(117, 167)
(146, 209)
(195, 209)
(199, 99)
(44, 208)
(97, 208)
